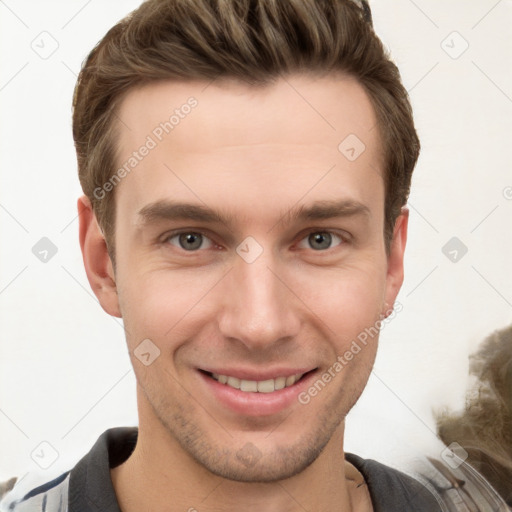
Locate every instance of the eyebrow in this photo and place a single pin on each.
(319, 210)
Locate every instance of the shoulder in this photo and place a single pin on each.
(391, 489)
(87, 486)
(51, 496)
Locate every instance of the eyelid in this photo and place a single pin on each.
(344, 236)
(165, 238)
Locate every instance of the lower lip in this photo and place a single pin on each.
(253, 403)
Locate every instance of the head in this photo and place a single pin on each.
(285, 129)
(254, 43)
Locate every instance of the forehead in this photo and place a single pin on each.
(262, 144)
(303, 104)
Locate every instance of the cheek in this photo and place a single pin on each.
(348, 297)
(158, 305)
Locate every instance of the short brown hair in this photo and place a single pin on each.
(252, 40)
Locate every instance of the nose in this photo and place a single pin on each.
(260, 309)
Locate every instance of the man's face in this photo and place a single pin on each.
(263, 293)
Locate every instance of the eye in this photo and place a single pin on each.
(320, 240)
(193, 241)
(189, 240)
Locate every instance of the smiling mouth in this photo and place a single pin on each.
(258, 386)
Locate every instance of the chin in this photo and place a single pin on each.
(249, 464)
(250, 457)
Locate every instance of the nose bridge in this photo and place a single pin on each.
(258, 307)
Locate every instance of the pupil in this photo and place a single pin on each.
(190, 240)
(324, 239)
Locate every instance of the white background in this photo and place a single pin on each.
(65, 375)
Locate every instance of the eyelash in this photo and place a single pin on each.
(344, 239)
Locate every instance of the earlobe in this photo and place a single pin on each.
(97, 262)
(395, 272)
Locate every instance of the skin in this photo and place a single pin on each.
(255, 154)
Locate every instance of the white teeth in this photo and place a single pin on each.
(266, 386)
(279, 383)
(262, 386)
(248, 385)
(290, 380)
(233, 382)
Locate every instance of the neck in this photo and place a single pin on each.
(160, 475)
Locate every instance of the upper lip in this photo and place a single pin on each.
(258, 375)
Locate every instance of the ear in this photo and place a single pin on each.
(97, 263)
(395, 273)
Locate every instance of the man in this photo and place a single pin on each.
(245, 166)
